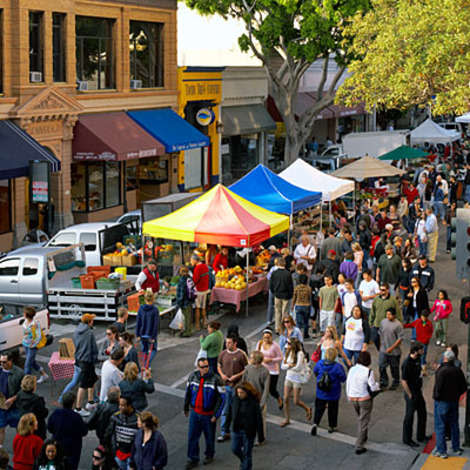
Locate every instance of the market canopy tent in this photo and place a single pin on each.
(433, 133)
(219, 217)
(404, 153)
(367, 167)
(266, 189)
(310, 178)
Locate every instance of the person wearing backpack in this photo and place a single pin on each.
(330, 375)
(184, 301)
(201, 279)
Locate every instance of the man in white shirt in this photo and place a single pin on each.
(305, 253)
(369, 290)
(348, 299)
(111, 376)
(432, 231)
(445, 184)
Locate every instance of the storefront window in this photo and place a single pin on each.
(113, 182)
(131, 178)
(96, 186)
(95, 61)
(5, 206)
(146, 53)
(153, 170)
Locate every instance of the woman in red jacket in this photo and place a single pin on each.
(221, 260)
(424, 331)
(26, 445)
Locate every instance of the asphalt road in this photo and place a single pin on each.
(290, 447)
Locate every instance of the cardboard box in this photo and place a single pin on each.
(66, 348)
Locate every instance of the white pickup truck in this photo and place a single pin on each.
(11, 327)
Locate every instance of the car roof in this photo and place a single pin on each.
(136, 212)
(88, 226)
(31, 251)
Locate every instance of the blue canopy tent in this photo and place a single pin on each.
(266, 189)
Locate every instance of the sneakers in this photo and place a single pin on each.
(207, 460)
(361, 450)
(42, 379)
(82, 412)
(91, 406)
(436, 453)
(223, 438)
(459, 451)
(438, 343)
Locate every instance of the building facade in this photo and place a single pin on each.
(65, 60)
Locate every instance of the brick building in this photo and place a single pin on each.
(73, 75)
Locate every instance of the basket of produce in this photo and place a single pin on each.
(105, 283)
(76, 282)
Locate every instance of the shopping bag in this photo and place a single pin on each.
(200, 355)
(178, 321)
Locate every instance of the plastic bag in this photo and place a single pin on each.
(178, 321)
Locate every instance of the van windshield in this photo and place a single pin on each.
(63, 239)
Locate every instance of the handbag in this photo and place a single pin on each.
(305, 374)
(178, 321)
(372, 393)
(316, 355)
(38, 331)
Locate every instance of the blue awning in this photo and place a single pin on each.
(17, 149)
(266, 189)
(170, 129)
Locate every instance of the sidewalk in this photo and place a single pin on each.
(429, 462)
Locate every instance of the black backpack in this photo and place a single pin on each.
(465, 309)
(324, 383)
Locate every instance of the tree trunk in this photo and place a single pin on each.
(292, 147)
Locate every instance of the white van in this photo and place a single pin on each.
(98, 239)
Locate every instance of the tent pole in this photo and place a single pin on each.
(329, 213)
(321, 225)
(247, 283)
(354, 208)
(288, 233)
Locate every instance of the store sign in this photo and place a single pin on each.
(205, 116)
(39, 179)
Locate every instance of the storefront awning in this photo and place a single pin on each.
(112, 137)
(170, 129)
(18, 148)
(250, 119)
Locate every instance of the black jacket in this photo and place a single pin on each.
(29, 402)
(101, 417)
(137, 390)
(246, 416)
(151, 456)
(281, 284)
(425, 276)
(422, 303)
(331, 267)
(450, 383)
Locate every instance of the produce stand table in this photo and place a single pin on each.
(236, 297)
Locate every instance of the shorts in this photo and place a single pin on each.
(290, 384)
(9, 418)
(201, 299)
(88, 375)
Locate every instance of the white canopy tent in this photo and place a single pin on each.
(368, 167)
(433, 133)
(301, 174)
(465, 118)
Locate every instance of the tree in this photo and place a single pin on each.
(410, 52)
(287, 36)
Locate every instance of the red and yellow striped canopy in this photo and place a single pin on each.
(220, 217)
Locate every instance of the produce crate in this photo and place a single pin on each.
(128, 260)
(134, 301)
(76, 283)
(105, 269)
(87, 281)
(108, 284)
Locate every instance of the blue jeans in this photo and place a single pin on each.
(448, 238)
(73, 383)
(146, 348)
(30, 362)
(242, 447)
(199, 424)
(351, 354)
(446, 413)
(413, 330)
(270, 311)
(423, 248)
(225, 420)
(122, 464)
(302, 315)
(423, 357)
(467, 193)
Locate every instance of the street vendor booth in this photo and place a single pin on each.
(433, 133)
(221, 217)
(404, 153)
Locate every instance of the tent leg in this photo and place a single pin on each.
(329, 213)
(354, 209)
(288, 232)
(321, 226)
(247, 283)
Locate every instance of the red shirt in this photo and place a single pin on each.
(26, 450)
(411, 194)
(152, 281)
(199, 403)
(219, 260)
(201, 277)
(423, 332)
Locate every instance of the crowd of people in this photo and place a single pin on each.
(358, 285)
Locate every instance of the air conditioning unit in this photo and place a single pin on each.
(82, 86)
(35, 77)
(136, 84)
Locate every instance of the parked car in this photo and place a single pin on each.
(132, 217)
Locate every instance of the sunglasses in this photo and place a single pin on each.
(286, 321)
(108, 333)
(204, 367)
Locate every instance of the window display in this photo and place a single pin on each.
(95, 186)
(79, 188)
(113, 182)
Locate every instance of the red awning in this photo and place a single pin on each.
(112, 137)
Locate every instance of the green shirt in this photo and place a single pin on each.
(389, 269)
(213, 343)
(328, 296)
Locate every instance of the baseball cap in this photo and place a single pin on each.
(332, 252)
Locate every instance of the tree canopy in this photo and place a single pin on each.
(410, 52)
(287, 36)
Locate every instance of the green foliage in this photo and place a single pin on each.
(410, 52)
